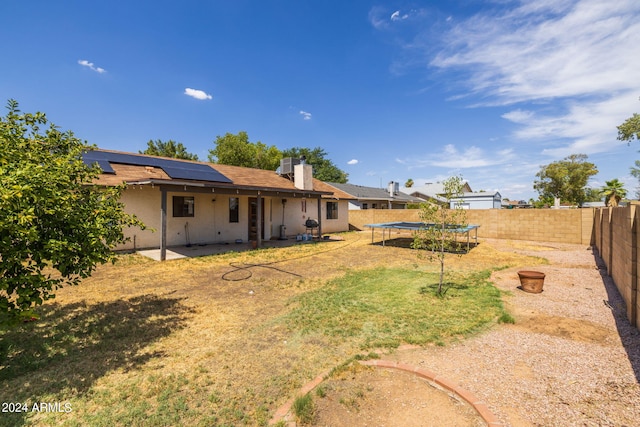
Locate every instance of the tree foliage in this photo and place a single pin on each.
(237, 150)
(565, 180)
(630, 129)
(613, 192)
(168, 149)
(55, 225)
(323, 168)
(438, 239)
(635, 171)
(409, 183)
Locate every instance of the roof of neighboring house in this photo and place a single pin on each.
(430, 189)
(146, 169)
(361, 192)
(485, 194)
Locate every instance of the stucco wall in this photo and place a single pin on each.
(210, 223)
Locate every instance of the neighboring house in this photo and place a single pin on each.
(431, 191)
(187, 202)
(515, 204)
(482, 200)
(362, 197)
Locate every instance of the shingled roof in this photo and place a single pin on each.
(361, 192)
(141, 169)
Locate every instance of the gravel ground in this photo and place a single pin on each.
(570, 359)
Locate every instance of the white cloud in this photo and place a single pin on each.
(305, 115)
(197, 94)
(451, 157)
(571, 61)
(547, 49)
(395, 16)
(380, 18)
(352, 162)
(91, 66)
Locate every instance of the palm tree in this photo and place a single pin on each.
(613, 192)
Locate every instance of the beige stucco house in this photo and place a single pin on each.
(188, 203)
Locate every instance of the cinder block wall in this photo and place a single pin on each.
(544, 225)
(617, 240)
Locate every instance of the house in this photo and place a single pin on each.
(186, 202)
(481, 200)
(516, 204)
(362, 197)
(431, 191)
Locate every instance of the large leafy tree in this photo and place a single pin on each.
(55, 225)
(168, 149)
(237, 150)
(323, 168)
(565, 180)
(439, 237)
(613, 192)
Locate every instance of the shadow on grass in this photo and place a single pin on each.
(432, 289)
(62, 354)
(629, 335)
(407, 242)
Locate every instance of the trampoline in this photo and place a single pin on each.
(413, 226)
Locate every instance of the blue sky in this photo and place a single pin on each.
(391, 90)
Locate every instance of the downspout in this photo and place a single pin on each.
(163, 224)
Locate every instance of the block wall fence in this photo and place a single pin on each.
(543, 225)
(614, 232)
(616, 238)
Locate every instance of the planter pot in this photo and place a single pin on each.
(531, 281)
(254, 244)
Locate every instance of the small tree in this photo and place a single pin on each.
(438, 237)
(55, 225)
(409, 183)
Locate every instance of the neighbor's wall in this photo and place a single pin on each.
(545, 225)
(616, 236)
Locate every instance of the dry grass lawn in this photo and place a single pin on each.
(192, 341)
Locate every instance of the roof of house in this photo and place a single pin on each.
(431, 189)
(361, 192)
(119, 167)
(480, 194)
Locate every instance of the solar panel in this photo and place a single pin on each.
(176, 169)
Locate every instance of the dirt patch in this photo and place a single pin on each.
(574, 329)
(369, 396)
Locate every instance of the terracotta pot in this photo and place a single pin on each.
(254, 244)
(531, 281)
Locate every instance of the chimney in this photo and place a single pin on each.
(303, 175)
(394, 188)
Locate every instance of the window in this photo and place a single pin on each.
(183, 206)
(365, 206)
(332, 210)
(234, 209)
(374, 205)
